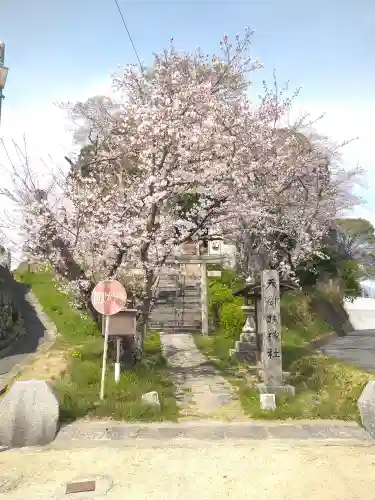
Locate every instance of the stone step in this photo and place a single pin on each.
(175, 329)
(172, 307)
(244, 356)
(173, 312)
(174, 286)
(177, 296)
(190, 306)
(175, 291)
(169, 317)
(178, 293)
(187, 319)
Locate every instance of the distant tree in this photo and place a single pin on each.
(354, 236)
(355, 239)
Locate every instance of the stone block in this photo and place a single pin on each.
(277, 389)
(29, 414)
(245, 346)
(366, 406)
(151, 398)
(267, 401)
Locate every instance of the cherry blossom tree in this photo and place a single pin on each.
(298, 204)
(187, 128)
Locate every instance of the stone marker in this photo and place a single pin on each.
(271, 335)
(366, 406)
(267, 401)
(151, 398)
(29, 414)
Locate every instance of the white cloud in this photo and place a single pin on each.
(44, 125)
(346, 121)
(47, 133)
(351, 121)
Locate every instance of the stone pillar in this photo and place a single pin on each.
(259, 331)
(204, 299)
(271, 329)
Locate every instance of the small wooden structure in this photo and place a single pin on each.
(122, 332)
(252, 291)
(123, 323)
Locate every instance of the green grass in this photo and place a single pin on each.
(73, 326)
(78, 389)
(325, 388)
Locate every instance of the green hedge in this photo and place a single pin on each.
(225, 310)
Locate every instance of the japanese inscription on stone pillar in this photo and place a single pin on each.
(271, 348)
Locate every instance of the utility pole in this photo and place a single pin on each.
(3, 74)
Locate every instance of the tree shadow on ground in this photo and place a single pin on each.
(35, 332)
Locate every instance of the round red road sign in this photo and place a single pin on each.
(109, 297)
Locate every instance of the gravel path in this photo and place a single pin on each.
(276, 470)
(201, 391)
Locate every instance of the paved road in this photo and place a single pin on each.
(279, 469)
(356, 348)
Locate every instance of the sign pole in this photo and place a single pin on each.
(117, 364)
(204, 299)
(105, 350)
(108, 298)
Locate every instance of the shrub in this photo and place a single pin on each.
(232, 319)
(224, 309)
(295, 308)
(349, 273)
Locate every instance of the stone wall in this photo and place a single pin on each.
(9, 315)
(6, 313)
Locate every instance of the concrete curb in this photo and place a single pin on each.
(91, 434)
(45, 345)
(318, 343)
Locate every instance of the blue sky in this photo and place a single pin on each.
(326, 46)
(66, 49)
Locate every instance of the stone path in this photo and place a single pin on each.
(107, 431)
(356, 348)
(201, 391)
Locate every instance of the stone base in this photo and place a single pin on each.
(277, 389)
(244, 351)
(366, 406)
(259, 368)
(267, 402)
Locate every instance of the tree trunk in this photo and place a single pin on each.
(146, 306)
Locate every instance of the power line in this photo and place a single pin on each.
(128, 32)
